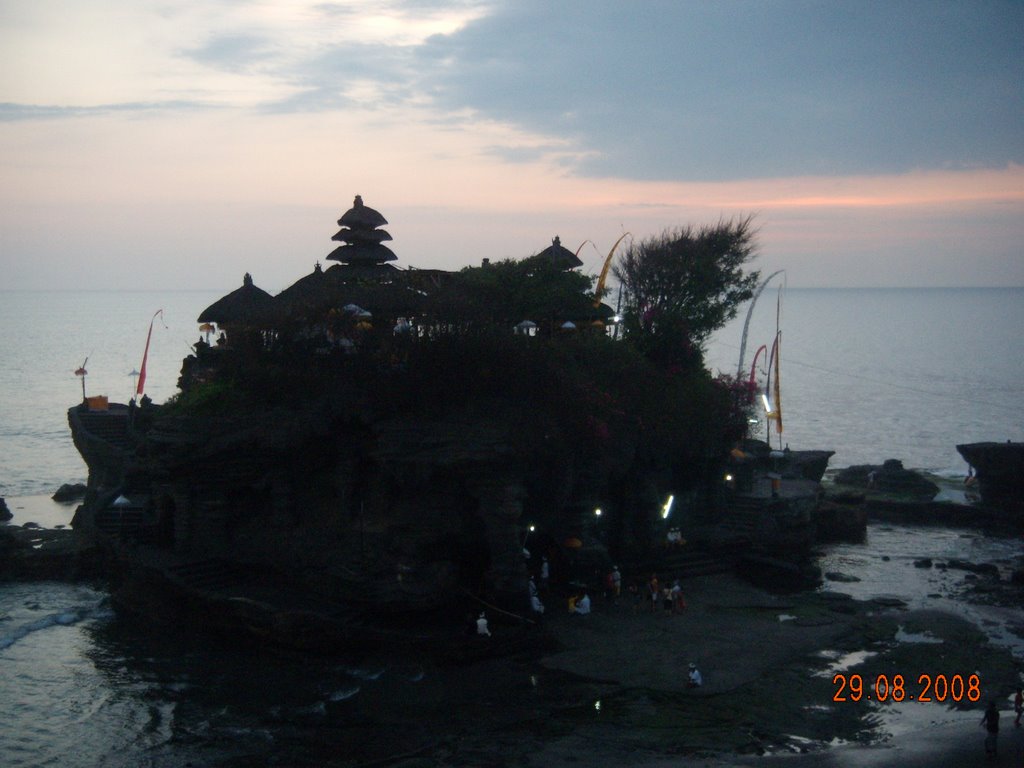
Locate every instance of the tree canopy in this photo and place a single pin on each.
(682, 285)
(508, 291)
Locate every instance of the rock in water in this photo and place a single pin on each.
(69, 492)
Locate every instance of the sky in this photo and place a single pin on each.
(177, 144)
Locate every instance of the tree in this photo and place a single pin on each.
(505, 292)
(682, 285)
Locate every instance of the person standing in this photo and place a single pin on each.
(482, 630)
(695, 679)
(991, 722)
(678, 601)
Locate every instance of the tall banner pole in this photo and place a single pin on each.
(145, 356)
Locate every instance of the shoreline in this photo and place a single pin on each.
(42, 510)
(765, 700)
(768, 692)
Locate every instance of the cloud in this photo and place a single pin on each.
(702, 91)
(232, 52)
(10, 112)
(661, 90)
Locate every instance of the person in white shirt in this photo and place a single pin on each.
(481, 626)
(583, 604)
(696, 681)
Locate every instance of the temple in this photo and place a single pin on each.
(366, 297)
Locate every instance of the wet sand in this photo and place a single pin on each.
(768, 664)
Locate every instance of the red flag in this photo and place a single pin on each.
(145, 355)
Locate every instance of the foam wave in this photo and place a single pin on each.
(63, 619)
(366, 674)
(345, 693)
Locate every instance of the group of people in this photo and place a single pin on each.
(670, 599)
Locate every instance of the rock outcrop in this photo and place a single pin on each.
(889, 478)
(999, 471)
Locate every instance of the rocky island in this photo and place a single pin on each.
(374, 444)
(374, 457)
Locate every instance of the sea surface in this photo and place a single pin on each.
(871, 374)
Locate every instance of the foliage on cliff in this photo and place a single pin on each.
(506, 292)
(682, 285)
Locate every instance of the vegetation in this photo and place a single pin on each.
(680, 286)
(506, 292)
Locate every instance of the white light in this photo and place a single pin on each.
(667, 508)
(597, 512)
(597, 705)
(767, 403)
(533, 528)
(728, 478)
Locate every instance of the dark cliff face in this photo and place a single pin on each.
(404, 486)
(999, 469)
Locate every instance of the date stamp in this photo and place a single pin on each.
(940, 688)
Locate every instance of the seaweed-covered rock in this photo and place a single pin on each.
(889, 477)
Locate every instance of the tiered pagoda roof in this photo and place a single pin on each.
(363, 241)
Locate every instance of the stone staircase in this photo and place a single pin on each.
(742, 520)
(687, 563)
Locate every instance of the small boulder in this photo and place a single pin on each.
(889, 477)
(985, 569)
(69, 492)
(5, 513)
(924, 562)
(841, 577)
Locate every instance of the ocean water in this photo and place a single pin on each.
(875, 374)
(869, 373)
(47, 336)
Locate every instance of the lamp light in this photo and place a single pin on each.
(665, 510)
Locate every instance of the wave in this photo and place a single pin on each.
(62, 619)
(345, 693)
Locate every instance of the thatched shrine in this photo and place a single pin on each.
(248, 306)
(560, 256)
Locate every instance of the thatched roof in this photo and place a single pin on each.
(361, 216)
(346, 235)
(379, 288)
(559, 255)
(247, 305)
(362, 253)
(363, 239)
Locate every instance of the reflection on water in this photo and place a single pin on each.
(843, 662)
(889, 564)
(82, 687)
